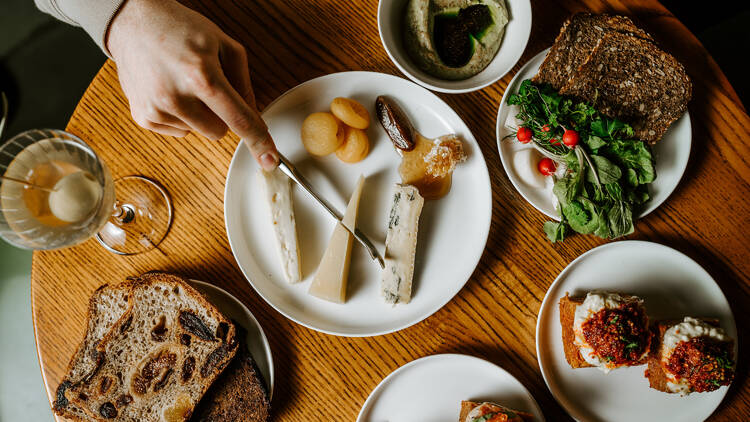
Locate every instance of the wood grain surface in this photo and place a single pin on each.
(326, 378)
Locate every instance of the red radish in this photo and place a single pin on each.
(545, 128)
(546, 166)
(523, 135)
(570, 138)
(554, 141)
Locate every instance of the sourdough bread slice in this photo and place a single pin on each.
(628, 78)
(568, 307)
(239, 394)
(160, 357)
(656, 375)
(107, 304)
(577, 39)
(468, 406)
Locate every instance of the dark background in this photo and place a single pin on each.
(46, 65)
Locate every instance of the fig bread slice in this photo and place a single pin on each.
(628, 78)
(107, 304)
(160, 357)
(577, 39)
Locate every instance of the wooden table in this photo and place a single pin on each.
(325, 378)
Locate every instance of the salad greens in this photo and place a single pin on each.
(608, 170)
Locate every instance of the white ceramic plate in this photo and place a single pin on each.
(432, 388)
(390, 26)
(442, 268)
(672, 286)
(257, 343)
(671, 153)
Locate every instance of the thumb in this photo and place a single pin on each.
(264, 150)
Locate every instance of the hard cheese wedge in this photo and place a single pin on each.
(333, 272)
(279, 197)
(401, 244)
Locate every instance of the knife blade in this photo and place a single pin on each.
(288, 168)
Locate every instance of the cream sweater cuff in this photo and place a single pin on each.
(94, 16)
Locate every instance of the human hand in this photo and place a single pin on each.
(180, 72)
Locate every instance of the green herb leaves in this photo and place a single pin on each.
(608, 172)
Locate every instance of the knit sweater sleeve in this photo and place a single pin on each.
(94, 16)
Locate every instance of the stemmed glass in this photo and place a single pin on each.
(56, 192)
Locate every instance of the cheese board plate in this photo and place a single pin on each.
(672, 286)
(671, 153)
(256, 340)
(432, 388)
(441, 268)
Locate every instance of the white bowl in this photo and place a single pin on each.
(390, 25)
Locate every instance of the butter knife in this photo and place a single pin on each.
(288, 168)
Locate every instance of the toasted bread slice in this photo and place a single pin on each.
(567, 316)
(107, 304)
(568, 307)
(575, 42)
(239, 394)
(468, 406)
(628, 78)
(657, 377)
(160, 357)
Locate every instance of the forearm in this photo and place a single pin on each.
(94, 16)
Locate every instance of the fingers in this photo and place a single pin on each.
(201, 119)
(221, 97)
(233, 59)
(165, 129)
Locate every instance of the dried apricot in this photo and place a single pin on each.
(356, 146)
(322, 133)
(351, 112)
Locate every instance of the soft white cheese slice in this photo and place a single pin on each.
(401, 244)
(333, 272)
(279, 197)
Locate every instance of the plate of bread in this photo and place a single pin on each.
(158, 347)
(608, 65)
(450, 388)
(634, 330)
(400, 166)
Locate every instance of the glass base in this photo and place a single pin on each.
(142, 218)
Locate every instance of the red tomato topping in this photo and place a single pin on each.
(571, 138)
(546, 166)
(524, 135)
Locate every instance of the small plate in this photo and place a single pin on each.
(441, 267)
(671, 153)
(672, 286)
(257, 343)
(432, 388)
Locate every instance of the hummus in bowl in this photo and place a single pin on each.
(493, 49)
(454, 39)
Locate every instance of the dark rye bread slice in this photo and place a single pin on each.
(106, 305)
(655, 373)
(160, 357)
(468, 406)
(239, 394)
(577, 39)
(632, 80)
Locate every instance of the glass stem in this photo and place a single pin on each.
(123, 214)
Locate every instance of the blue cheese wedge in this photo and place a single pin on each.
(333, 272)
(401, 244)
(279, 197)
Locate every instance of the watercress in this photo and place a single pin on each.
(608, 171)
